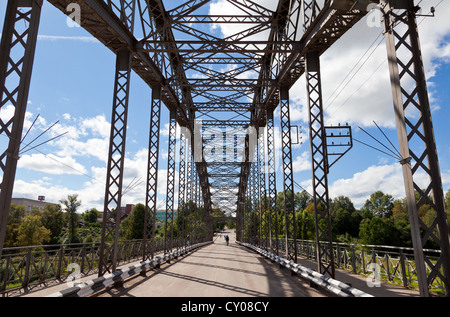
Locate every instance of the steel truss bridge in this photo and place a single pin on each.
(236, 82)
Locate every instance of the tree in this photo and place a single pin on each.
(135, 223)
(16, 214)
(52, 219)
(32, 232)
(305, 225)
(301, 200)
(379, 205)
(341, 202)
(447, 201)
(346, 222)
(71, 204)
(91, 215)
(378, 231)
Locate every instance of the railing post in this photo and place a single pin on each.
(403, 268)
(388, 272)
(363, 260)
(61, 256)
(27, 269)
(353, 259)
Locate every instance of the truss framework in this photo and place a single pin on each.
(414, 127)
(236, 80)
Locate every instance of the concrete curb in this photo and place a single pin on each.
(332, 285)
(97, 284)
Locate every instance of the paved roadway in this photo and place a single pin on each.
(217, 270)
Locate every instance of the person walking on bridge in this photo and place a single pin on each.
(227, 239)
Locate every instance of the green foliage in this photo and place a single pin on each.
(378, 231)
(379, 205)
(134, 223)
(91, 215)
(305, 225)
(71, 204)
(32, 232)
(52, 219)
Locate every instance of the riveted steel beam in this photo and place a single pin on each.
(414, 127)
(19, 35)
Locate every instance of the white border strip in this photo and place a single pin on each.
(92, 286)
(335, 286)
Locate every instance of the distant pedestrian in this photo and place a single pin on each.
(227, 239)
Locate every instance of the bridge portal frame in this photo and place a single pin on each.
(397, 39)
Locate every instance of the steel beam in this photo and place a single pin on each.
(319, 164)
(19, 35)
(116, 155)
(414, 127)
(152, 175)
(263, 212)
(272, 186)
(288, 174)
(170, 193)
(182, 191)
(115, 166)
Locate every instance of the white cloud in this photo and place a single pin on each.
(51, 164)
(85, 39)
(302, 162)
(386, 178)
(367, 96)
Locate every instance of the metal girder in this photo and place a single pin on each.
(257, 80)
(288, 180)
(414, 127)
(263, 204)
(116, 156)
(319, 165)
(152, 175)
(272, 185)
(182, 187)
(115, 166)
(170, 193)
(19, 35)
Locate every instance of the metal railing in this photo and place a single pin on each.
(22, 267)
(393, 264)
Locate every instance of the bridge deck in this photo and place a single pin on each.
(218, 270)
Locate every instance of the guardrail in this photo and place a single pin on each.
(389, 263)
(332, 285)
(97, 284)
(24, 267)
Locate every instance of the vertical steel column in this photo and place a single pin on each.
(310, 10)
(189, 189)
(319, 163)
(264, 214)
(19, 35)
(116, 159)
(273, 217)
(414, 127)
(152, 175)
(181, 192)
(254, 214)
(288, 181)
(116, 156)
(170, 194)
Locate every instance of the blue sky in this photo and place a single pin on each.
(73, 78)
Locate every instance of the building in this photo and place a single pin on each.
(31, 203)
(125, 211)
(161, 215)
